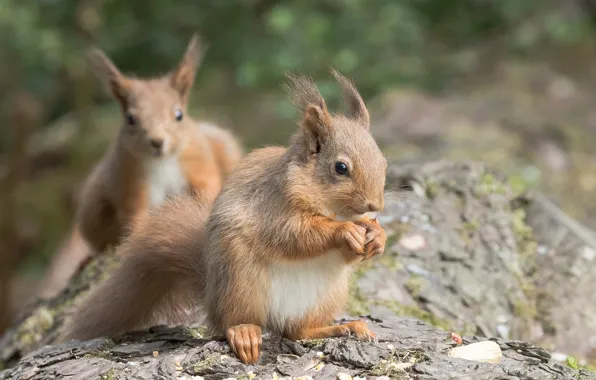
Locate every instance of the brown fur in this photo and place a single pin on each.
(118, 186)
(275, 213)
(153, 282)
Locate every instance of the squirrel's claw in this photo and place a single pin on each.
(355, 237)
(375, 238)
(360, 329)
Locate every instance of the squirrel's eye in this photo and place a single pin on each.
(341, 168)
(130, 119)
(178, 115)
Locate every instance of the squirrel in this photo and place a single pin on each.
(160, 152)
(275, 250)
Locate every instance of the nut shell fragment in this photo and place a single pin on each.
(486, 351)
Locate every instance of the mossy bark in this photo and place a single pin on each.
(406, 349)
(464, 254)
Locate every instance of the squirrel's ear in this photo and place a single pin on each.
(316, 124)
(107, 72)
(356, 109)
(316, 120)
(183, 77)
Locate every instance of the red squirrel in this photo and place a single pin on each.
(160, 152)
(275, 251)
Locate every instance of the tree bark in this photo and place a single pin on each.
(464, 254)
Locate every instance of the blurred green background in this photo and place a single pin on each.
(508, 82)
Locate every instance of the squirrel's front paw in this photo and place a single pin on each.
(354, 236)
(375, 238)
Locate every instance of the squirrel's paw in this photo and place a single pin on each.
(354, 237)
(375, 238)
(245, 341)
(361, 331)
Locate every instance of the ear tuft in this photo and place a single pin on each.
(303, 91)
(182, 79)
(107, 72)
(356, 109)
(316, 121)
(305, 96)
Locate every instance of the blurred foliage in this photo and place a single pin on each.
(380, 43)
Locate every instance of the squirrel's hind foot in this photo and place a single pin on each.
(245, 340)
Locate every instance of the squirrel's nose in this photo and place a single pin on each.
(374, 206)
(156, 143)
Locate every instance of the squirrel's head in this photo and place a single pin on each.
(340, 164)
(154, 110)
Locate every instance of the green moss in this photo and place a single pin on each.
(103, 354)
(34, 328)
(431, 189)
(199, 367)
(519, 226)
(390, 259)
(572, 362)
(465, 237)
(42, 319)
(524, 309)
(390, 370)
(357, 303)
(526, 245)
(471, 226)
(198, 332)
(313, 344)
(243, 377)
(390, 262)
(395, 366)
(99, 270)
(468, 229)
(415, 284)
(108, 375)
(490, 185)
(518, 183)
(392, 239)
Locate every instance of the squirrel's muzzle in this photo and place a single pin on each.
(376, 205)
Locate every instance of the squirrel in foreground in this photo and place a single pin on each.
(274, 252)
(160, 152)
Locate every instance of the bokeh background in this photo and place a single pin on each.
(508, 82)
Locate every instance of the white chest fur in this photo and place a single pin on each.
(165, 179)
(298, 287)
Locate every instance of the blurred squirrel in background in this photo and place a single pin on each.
(160, 152)
(274, 253)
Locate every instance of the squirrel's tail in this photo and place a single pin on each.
(159, 279)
